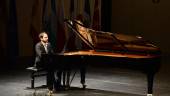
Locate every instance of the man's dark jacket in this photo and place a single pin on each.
(40, 50)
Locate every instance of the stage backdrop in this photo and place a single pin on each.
(135, 17)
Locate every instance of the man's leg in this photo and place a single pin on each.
(50, 79)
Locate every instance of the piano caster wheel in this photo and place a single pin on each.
(84, 86)
(149, 95)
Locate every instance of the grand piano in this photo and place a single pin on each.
(113, 50)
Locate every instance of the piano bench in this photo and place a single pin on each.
(36, 72)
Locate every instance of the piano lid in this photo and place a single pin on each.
(92, 37)
(83, 32)
(99, 40)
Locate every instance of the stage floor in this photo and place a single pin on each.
(100, 82)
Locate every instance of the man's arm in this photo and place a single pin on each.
(51, 49)
(38, 49)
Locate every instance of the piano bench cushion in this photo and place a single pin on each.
(34, 69)
(37, 72)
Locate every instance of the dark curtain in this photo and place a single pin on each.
(106, 14)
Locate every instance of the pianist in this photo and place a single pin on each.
(44, 47)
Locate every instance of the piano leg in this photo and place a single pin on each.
(67, 75)
(64, 78)
(57, 83)
(83, 72)
(150, 78)
(68, 78)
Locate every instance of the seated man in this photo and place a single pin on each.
(44, 47)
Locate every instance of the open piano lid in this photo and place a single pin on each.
(72, 24)
(107, 41)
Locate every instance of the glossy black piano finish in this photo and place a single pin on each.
(112, 50)
(146, 64)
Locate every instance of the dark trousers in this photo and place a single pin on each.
(50, 78)
(49, 68)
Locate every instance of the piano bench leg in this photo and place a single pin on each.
(64, 79)
(150, 78)
(34, 72)
(32, 80)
